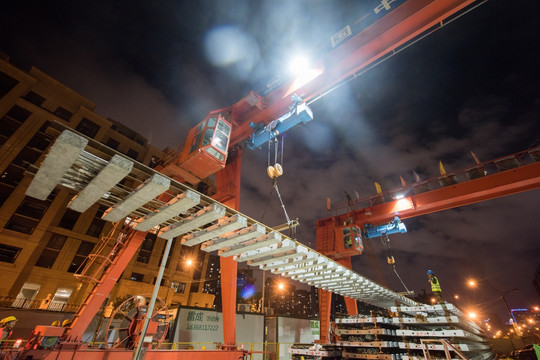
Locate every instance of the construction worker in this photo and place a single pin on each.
(435, 286)
(6, 329)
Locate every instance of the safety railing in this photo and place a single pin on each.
(39, 304)
(256, 350)
(481, 169)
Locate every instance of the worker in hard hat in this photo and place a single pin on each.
(435, 286)
(6, 326)
(66, 323)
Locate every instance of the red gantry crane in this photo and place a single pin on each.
(212, 146)
(484, 181)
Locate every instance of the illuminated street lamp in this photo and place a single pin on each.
(502, 295)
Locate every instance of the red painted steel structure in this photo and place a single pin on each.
(355, 55)
(417, 199)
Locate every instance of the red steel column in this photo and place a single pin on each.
(228, 180)
(100, 292)
(352, 306)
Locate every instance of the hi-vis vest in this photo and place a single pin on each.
(435, 286)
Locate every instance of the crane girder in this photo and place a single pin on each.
(523, 178)
(355, 53)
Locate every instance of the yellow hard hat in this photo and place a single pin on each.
(55, 323)
(66, 322)
(8, 319)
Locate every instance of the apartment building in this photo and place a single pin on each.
(42, 243)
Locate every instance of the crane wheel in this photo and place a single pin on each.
(278, 169)
(271, 172)
(128, 319)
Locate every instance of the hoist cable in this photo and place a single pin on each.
(281, 201)
(269, 151)
(266, 203)
(276, 148)
(282, 141)
(405, 286)
(386, 243)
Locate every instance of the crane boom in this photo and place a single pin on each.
(513, 176)
(356, 52)
(389, 27)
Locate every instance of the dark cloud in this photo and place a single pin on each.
(471, 86)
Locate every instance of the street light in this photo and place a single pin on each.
(502, 295)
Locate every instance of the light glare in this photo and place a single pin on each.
(299, 65)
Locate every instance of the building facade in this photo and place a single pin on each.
(42, 243)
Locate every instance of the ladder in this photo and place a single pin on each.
(446, 347)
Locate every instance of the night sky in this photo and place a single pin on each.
(161, 66)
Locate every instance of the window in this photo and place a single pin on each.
(5, 192)
(161, 283)
(34, 98)
(171, 251)
(27, 215)
(132, 154)
(40, 141)
(136, 277)
(88, 127)
(179, 287)
(85, 248)
(146, 248)
(96, 227)
(6, 84)
(27, 156)
(13, 120)
(63, 113)
(51, 251)
(69, 219)
(12, 176)
(19, 114)
(32, 208)
(113, 144)
(9, 253)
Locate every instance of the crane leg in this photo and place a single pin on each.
(352, 306)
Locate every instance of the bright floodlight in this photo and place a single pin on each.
(299, 65)
(399, 196)
(281, 286)
(472, 315)
(189, 262)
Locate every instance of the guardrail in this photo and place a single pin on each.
(40, 304)
(257, 350)
(481, 169)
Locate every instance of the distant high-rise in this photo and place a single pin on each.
(536, 280)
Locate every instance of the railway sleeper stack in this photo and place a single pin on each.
(402, 333)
